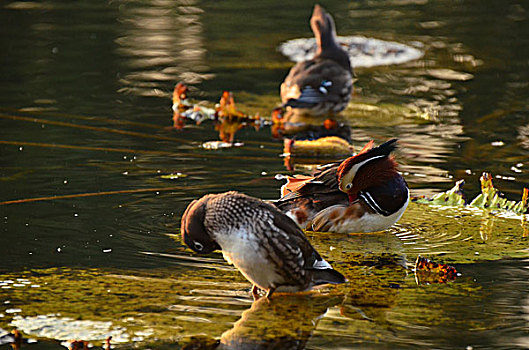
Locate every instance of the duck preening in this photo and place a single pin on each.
(323, 85)
(363, 193)
(267, 247)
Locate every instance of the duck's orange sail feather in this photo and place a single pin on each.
(294, 183)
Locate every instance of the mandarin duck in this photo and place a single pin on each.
(363, 193)
(264, 244)
(322, 85)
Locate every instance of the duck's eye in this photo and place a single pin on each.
(348, 186)
(198, 246)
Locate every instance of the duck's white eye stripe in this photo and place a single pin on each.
(198, 245)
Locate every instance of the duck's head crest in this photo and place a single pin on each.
(367, 168)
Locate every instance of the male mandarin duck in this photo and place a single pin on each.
(363, 193)
(267, 247)
(322, 85)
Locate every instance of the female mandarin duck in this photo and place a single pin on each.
(363, 193)
(267, 247)
(322, 85)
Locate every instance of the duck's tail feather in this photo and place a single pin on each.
(325, 276)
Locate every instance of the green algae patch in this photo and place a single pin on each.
(202, 307)
(361, 114)
(131, 306)
(488, 227)
(453, 197)
(205, 302)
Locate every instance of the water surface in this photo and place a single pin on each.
(85, 109)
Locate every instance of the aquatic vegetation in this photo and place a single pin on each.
(490, 198)
(87, 131)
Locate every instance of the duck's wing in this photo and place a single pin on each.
(296, 243)
(324, 182)
(286, 246)
(317, 269)
(294, 183)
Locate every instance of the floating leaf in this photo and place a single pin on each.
(173, 176)
(184, 109)
(229, 120)
(325, 147)
(427, 271)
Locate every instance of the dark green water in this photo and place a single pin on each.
(85, 98)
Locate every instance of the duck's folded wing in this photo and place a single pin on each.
(311, 83)
(287, 237)
(294, 183)
(328, 176)
(324, 182)
(290, 250)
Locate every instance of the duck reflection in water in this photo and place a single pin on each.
(289, 321)
(284, 323)
(310, 141)
(229, 120)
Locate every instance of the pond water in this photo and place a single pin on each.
(91, 246)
